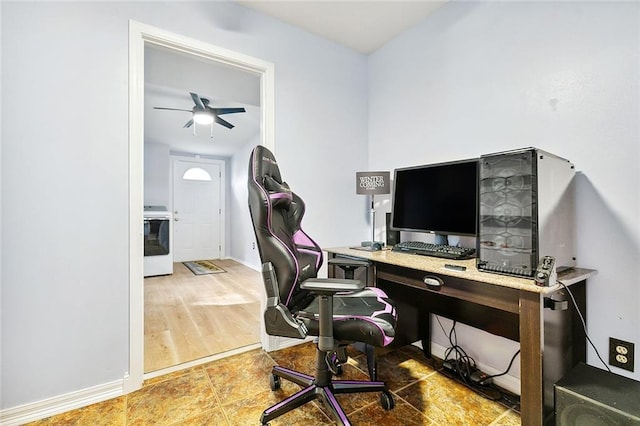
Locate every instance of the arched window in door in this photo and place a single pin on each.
(196, 173)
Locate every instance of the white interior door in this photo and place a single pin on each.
(196, 210)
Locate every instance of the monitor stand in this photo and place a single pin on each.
(441, 239)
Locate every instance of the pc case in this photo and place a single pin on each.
(526, 211)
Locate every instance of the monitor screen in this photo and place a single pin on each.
(440, 198)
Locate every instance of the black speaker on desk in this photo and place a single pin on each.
(594, 397)
(393, 237)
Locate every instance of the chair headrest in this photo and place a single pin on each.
(265, 164)
(266, 172)
(279, 193)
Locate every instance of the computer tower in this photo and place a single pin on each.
(526, 211)
(590, 396)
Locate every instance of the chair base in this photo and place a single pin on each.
(312, 389)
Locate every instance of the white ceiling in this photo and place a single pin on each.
(170, 75)
(362, 25)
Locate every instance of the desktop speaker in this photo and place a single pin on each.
(526, 212)
(594, 397)
(393, 237)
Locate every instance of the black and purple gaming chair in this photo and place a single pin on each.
(299, 304)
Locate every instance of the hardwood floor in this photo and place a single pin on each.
(187, 316)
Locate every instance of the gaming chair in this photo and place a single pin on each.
(337, 311)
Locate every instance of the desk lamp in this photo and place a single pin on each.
(372, 183)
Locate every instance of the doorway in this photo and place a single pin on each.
(140, 36)
(197, 209)
(185, 166)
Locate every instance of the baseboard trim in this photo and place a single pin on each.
(200, 361)
(59, 404)
(256, 268)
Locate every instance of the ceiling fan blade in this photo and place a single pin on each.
(197, 101)
(188, 124)
(223, 122)
(173, 109)
(220, 111)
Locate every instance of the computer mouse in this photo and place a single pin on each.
(376, 246)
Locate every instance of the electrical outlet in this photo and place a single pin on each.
(621, 353)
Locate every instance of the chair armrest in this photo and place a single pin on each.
(329, 286)
(278, 321)
(324, 289)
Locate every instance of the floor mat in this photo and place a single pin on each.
(203, 267)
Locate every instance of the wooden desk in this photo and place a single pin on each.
(542, 319)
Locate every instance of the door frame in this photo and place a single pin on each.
(222, 190)
(139, 34)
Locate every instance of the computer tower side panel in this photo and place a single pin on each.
(556, 209)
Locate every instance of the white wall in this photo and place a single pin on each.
(478, 78)
(65, 178)
(242, 242)
(157, 175)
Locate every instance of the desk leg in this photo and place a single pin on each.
(531, 399)
(426, 340)
(331, 271)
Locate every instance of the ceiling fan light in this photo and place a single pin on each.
(202, 117)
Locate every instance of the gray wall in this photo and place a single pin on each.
(65, 234)
(476, 78)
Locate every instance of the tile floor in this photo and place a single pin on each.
(235, 391)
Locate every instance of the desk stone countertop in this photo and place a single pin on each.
(436, 265)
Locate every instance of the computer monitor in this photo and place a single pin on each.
(437, 198)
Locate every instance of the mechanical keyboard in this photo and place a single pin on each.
(435, 250)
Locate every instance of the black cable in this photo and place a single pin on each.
(464, 365)
(584, 325)
(461, 363)
(513, 358)
(501, 394)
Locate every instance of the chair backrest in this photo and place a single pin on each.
(276, 213)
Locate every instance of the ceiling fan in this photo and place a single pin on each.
(204, 114)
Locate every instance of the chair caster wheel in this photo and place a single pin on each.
(334, 364)
(386, 401)
(274, 384)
